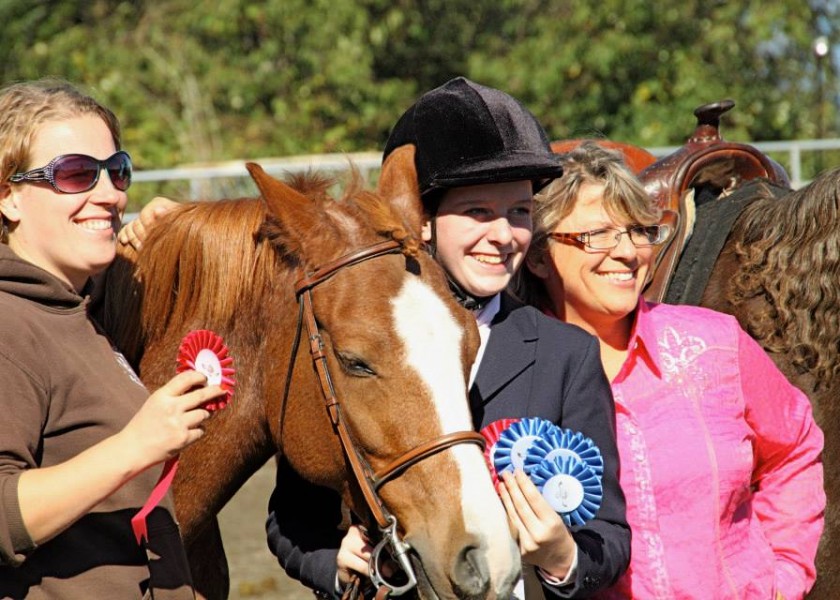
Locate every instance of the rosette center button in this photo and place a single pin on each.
(563, 492)
(207, 363)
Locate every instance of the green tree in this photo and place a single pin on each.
(623, 69)
(231, 79)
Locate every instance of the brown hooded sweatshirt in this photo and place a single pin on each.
(63, 388)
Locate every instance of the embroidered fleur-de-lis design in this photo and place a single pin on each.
(679, 354)
(679, 351)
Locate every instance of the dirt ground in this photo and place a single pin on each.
(254, 571)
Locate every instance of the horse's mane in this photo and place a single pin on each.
(201, 264)
(790, 253)
(207, 262)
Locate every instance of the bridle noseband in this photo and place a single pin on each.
(369, 481)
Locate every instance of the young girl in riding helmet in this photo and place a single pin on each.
(480, 156)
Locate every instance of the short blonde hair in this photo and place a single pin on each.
(625, 199)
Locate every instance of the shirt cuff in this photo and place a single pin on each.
(556, 581)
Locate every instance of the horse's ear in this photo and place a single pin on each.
(297, 215)
(281, 199)
(398, 184)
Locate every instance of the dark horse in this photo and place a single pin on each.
(390, 349)
(779, 275)
(752, 247)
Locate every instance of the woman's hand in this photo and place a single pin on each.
(171, 419)
(168, 421)
(544, 540)
(353, 555)
(134, 233)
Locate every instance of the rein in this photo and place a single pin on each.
(368, 480)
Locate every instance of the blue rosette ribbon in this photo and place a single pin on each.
(565, 443)
(515, 442)
(570, 487)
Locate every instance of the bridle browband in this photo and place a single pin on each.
(369, 481)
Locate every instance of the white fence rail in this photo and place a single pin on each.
(218, 179)
(200, 177)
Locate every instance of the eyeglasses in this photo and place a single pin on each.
(76, 173)
(608, 238)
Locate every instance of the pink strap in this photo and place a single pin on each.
(138, 521)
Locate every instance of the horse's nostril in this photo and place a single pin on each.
(471, 575)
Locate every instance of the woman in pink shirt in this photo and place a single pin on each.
(720, 455)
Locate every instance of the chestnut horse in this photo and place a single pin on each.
(634, 157)
(388, 340)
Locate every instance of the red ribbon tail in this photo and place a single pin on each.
(138, 521)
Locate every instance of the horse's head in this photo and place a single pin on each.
(392, 353)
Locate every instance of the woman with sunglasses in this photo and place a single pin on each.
(720, 455)
(80, 435)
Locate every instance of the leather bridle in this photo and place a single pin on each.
(368, 480)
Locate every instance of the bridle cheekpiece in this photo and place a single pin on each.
(369, 481)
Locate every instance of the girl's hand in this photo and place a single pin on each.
(134, 233)
(544, 540)
(353, 555)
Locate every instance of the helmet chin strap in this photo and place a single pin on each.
(462, 297)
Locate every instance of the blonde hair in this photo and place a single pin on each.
(625, 199)
(24, 107)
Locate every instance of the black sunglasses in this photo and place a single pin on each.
(76, 173)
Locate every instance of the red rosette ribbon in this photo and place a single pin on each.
(203, 351)
(492, 432)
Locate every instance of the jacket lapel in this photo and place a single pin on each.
(511, 349)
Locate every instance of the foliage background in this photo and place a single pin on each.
(210, 80)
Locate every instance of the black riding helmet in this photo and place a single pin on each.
(468, 134)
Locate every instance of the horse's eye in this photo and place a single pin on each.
(354, 365)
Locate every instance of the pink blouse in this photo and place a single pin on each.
(720, 463)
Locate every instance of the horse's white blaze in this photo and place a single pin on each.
(432, 345)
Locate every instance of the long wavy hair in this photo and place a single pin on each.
(789, 251)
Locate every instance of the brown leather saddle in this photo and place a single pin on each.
(706, 169)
